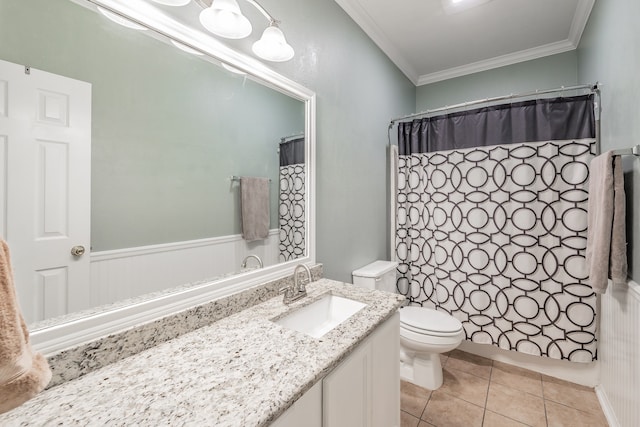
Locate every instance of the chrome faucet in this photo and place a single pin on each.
(244, 262)
(298, 289)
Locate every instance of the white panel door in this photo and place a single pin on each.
(45, 185)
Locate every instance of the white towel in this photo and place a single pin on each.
(606, 254)
(255, 208)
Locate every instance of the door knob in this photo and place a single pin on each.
(77, 251)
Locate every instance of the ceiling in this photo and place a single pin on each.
(429, 45)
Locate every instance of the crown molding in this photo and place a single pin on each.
(497, 62)
(580, 19)
(578, 24)
(359, 14)
(354, 9)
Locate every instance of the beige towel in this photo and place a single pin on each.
(606, 254)
(23, 373)
(254, 201)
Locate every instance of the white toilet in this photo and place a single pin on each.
(424, 332)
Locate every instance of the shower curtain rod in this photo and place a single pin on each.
(592, 87)
(294, 136)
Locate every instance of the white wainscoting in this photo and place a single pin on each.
(619, 354)
(131, 272)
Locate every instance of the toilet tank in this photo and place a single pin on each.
(379, 275)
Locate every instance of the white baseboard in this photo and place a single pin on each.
(609, 413)
(586, 374)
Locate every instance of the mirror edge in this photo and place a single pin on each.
(65, 335)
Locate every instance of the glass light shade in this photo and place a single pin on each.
(272, 46)
(224, 18)
(120, 20)
(186, 48)
(233, 70)
(173, 2)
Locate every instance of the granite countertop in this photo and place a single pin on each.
(243, 370)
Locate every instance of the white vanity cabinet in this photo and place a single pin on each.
(306, 411)
(364, 390)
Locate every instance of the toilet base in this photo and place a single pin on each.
(425, 372)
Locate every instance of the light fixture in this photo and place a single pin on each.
(186, 48)
(272, 46)
(233, 70)
(454, 6)
(173, 2)
(120, 20)
(225, 19)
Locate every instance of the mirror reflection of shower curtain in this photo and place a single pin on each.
(291, 206)
(495, 235)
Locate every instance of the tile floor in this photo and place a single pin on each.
(485, 393)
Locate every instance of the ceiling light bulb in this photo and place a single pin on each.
(173, 2)
(120, 20)
(272, 46)
(455, 6)
(224, 18)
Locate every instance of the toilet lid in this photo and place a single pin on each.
(429, 320)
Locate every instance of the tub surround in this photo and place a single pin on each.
(74, 362)
(243, 369)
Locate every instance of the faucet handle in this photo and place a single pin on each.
(288, 294)
(286, 290)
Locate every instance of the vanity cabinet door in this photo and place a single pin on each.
(385, 374)
(347, 393)
(364, 390)
(306, 411)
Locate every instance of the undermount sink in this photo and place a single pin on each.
(321, 316)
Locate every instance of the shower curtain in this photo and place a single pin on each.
(491, 223)
(291, 200)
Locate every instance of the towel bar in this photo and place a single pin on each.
(237, 178)
(633, 151)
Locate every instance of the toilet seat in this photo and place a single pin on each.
(426, 321)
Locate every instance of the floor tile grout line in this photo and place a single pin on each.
(486, 398)
(491, 380)
(572, 407)
(450, 395)
(411, 415)
(469, 373)
(544, 405)
(426, 404)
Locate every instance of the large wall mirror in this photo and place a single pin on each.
(122, 150)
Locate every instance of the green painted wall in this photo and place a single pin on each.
(168, 128)
(544, 73)
(610, 53)
(359, 90)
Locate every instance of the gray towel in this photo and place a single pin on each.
(255, 208)
(606, 254)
